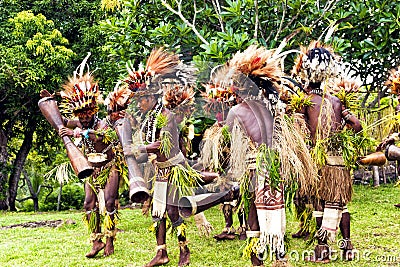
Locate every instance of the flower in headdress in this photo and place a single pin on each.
(160, 62)
(80, 93)
(316, 63)
(393, 81)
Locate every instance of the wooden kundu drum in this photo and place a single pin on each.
(138, 191)
(48, 107)
(192, 205)
(375, 159)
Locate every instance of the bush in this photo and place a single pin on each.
(72, 197)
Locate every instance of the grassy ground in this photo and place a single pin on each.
(375, 233)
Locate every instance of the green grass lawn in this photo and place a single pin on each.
(375, 233)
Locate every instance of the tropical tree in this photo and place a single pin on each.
(33, 57)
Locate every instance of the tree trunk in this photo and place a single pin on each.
(3, 169)
(19, 165)
(59, 197)
(34, 195)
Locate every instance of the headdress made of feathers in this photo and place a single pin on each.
(80, 92)
(248, 72)
(347, 85)
(346, 88)
(178, 88)
(316, 63)
(223, 85)
(393, 81)
(119, 98)
(159, 62)
(257, 61)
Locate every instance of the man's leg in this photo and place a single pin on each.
(243, 224)
(93, 221)
(229, 231)
(346, 245)
(321, 250)
(179, 225)
(161, 254)
(301, 214)
(256, 260)
(110, 195)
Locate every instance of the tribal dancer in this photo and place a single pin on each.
(160, 137)
(251, 78)
(326, 118)
(179, 99)
(102, 149)
(215, 155)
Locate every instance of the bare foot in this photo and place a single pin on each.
(242, 233)
(160, 259)
(348, 253)
(184, 256)
(225, 236)
(109, 249)
(321, 254)
(97, 246)
(256, 260)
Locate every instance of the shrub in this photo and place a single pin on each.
(72, 197)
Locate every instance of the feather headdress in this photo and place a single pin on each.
(118, 99)
(346, 85)
(346, 89)
(393, 81)
(159, 62)
(316, 63)
(223, 85)
(178, 89)
(246, 74)
(257, 62)
(80, 92)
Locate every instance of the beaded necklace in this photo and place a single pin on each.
(149, 124)
(88, 145)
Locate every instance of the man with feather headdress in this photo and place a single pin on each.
(316, 67)
(250, 80)
(159, 135)
(101, 147)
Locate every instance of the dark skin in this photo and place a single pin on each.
(85, 121)
(146, 104)
(312, 114)
(257, 121)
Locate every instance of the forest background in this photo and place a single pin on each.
(42, 42)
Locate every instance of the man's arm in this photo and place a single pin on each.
(351, 120)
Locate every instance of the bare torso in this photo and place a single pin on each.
(172, 128)
(313, 112)
(255, 118)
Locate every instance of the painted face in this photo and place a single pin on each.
(86, 119)
(145, 103)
